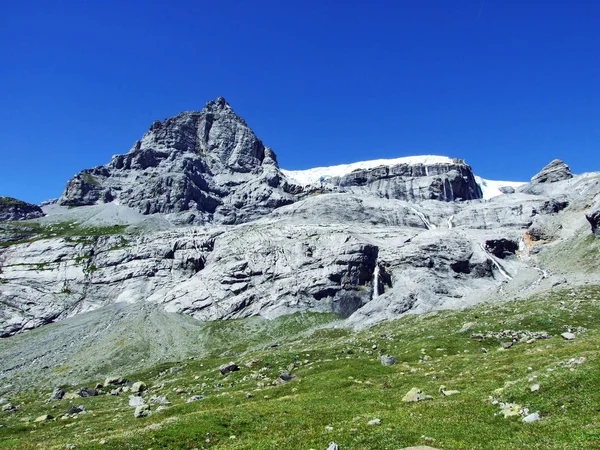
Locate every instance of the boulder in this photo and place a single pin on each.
(12, 209)
(228, 368)
(388, 360)
(569, 336)
(593, 218)
(557, 170)
(44, 418)
(135, 400)
(138, 387)
(57, 394)
(113, 381)
(142, 411)
(415, 395)
(195, 398)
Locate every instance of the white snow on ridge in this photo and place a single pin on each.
(310, 176)
(491, 188)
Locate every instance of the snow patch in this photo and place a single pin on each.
(491, 188)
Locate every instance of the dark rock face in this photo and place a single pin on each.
(501, 248)
(557, 170)
(593, 218)
(208, 164)
(12, 209)
(414, 182)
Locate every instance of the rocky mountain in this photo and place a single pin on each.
(199, 219)
(12, 209)
(207, 165)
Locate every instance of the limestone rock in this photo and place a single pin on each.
(205, 166)
(531, 418)
(194, 398)
(138, 387)
(228, 368)
(57, 394)
(12, 209)
(593, 218)
(415, 395)
(557, 170)
(142, 411)
(44, 418)
(569, 336)
(135, 400)
(388, 360)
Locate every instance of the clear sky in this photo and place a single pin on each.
(506, 85)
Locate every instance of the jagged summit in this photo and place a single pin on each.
(209, 167)
(205, 166)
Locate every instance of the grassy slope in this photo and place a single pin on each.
(341, 384)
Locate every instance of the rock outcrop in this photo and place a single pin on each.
(414, 182)
(205, 166)
(557, 170)
(593, 218)
(12, 209)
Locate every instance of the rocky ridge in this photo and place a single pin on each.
(12, 209)
(369, 244)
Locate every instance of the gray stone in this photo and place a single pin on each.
(138, 387)
(160, 399)
(531, 418)
(374, 422)
(593, 218)
(142, 411)
(9, 407)
(388, 360)
(195, 398)
(12, 209)
(57, 394)
(135, 400)
(557, 170)
(569, 336)
(44, 418)
(415, 395)
(333, 446)
(228, 368)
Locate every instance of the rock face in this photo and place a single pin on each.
(557, 170)
(412, 182)
(208, 165)
(370, 243)
(12, 209)
(593, 218)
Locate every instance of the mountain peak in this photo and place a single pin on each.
(218, 105)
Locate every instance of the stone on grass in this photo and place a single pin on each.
(229, 367)
(44, 418)
(569, 336)
(75, 410)
(57, 394)
(333, 446)
(448, 392)
(142, 411)
(510, 409)
(138, 386)
(388, 360)
(136, 400)
(532, 418)
(374, 422)
(160, 399)
(415, 395)
(9, 407)
(535, 388)
(195, 398)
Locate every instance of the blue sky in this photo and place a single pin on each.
(506, 85)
